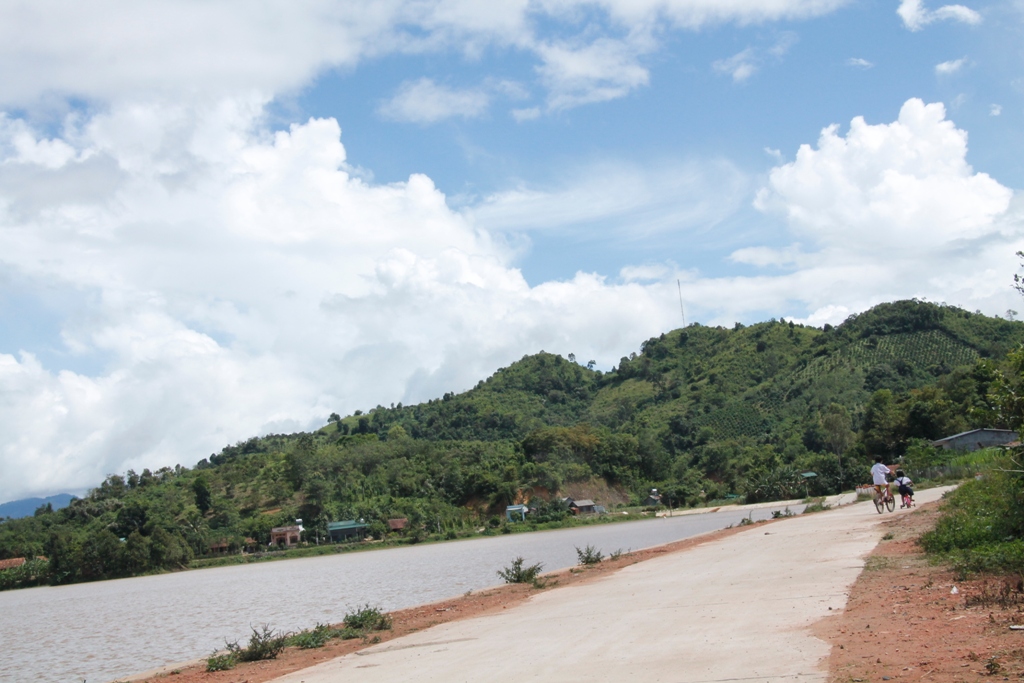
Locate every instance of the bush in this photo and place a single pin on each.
(516, 573)
(368, 618)
(312, 638)
(222, 661)
(264, 643)
(589, 555)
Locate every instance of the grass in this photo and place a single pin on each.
(265, 643)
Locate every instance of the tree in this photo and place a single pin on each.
(201, 489)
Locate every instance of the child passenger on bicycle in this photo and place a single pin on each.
(905, 489)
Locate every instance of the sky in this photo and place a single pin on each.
(223, 219)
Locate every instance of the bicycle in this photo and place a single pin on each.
(884, 500)
(907, 500)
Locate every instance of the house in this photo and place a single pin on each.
(286, 536)
(977, 438)
(221, 547)
(347, 530)
(584, 506)
(397, 524)
(519, 510)
(12, 563)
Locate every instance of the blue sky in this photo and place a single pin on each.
(219, 220)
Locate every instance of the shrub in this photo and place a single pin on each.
(516, 573)
(368, 618)
(589, 555)
(312, 638)
(264, 643)
(222, 661)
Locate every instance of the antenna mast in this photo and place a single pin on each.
(681, 309)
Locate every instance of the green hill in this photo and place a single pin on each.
(701, 413)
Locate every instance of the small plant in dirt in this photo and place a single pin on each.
(221, 661)
(816, 505)
(368, 618)
(312, 638)
(589, 555)
(779, 514)
(616, 554)
(264, 643)
(517, 573)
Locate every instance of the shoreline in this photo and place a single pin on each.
(414, 619)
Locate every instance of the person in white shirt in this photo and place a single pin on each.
(879, 475)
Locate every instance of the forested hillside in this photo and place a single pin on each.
(701, 413)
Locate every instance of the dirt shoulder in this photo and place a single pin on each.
(904, 622)
(415, 619)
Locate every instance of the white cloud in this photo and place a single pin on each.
(859, 62)
(740, 66)
(238, 281)
(104, 50)
(424, 101)
(627, 202)
(950, 67)
(602, 70)
(747, 62)
(915, 16)
(995, 110)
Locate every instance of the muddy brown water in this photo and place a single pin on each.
(97, 632)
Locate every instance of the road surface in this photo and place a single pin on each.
(736, 609)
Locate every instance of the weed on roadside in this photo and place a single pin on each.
(368, 618)
(589, 555)
(264, 643)
(517, 573)
(221, 661)
(312, 638)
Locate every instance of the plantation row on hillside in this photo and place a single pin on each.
(700, 413)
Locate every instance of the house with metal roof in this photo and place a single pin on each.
(348, 530)
(976, 439)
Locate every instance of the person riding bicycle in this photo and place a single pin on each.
(880, 476)
(905, 485)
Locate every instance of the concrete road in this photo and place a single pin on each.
(736, 609)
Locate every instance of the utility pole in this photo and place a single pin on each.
(682, 310)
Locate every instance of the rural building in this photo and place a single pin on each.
(584, 506)
(220, 547)
(977, 438)
(349, 530)
(287, 536)
(516, 510)
(397, 524)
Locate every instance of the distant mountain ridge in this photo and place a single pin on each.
(26, 507)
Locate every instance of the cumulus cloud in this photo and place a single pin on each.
(995, 110)
(237, 281)
(916, 16)
(424, 101)
(950, 67)
(903, 186)
(602, 70)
